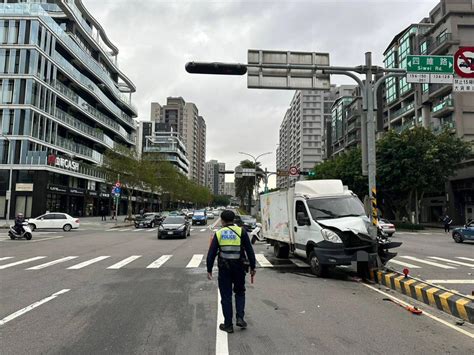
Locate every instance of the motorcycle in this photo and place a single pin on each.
(26, 233)
(256, 234)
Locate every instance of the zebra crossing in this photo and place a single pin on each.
(143, 230)
(413, 262)
(196, 261)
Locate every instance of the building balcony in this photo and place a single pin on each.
(443, 108)
(449, 126)
(353, 126)
(437, 90)
(80, 149)
(352, 113)
(402, 111)
(353, 138)
(442, 43)
(407, 125)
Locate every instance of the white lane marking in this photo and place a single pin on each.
(54, 262)
(195, 261)
(451, 281)
(299, 262)
(21, 262)
(158, 262)
(124, 262)
(32, 306)
(262, 260)
(45, 239)
(213, 225)
(6, 258)
(124, 230)
(222, 343)
(203, 230)
(111, 229)
(88, 262)
(137, 230)
(452, 261)
(456, 328)
(43, 233)
(152, 230)
(402, 263)
(428, 262)
(464, 258)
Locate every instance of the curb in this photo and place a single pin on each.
(451, 303)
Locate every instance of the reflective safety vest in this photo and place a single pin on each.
(229, 242)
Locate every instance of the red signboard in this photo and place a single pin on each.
(51, 159)
(294, 171)
(464, 62)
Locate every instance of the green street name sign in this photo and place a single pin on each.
(430, 64)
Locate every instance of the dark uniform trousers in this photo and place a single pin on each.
(232, 273)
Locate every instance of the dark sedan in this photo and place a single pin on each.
(464, 233)
(174, 226)
(245, 221)
(147, 220)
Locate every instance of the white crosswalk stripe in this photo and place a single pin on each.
(111, 230)
(195, 261)
(452, 261)
(203, 230)
(6, 258)
(159, 262)
(298, 262)
(428, 262)
(87, 263)
(124, 262)
(21, 262)
(402, 263)
(137, 230)
(152, 230)
(464, 258)
(54, 262)
(262, 260)
(124, 230)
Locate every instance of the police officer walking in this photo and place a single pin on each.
(232, 245)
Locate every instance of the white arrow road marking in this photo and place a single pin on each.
(262, 260)
(195, 260)
(88, 262)
(54, 262)
(452, 261)
(428, 262)
(21, 262)
(203, 230)
(124, 262)
(158, 262)
(31, 307)
(402, 263)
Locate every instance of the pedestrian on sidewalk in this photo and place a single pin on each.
(447, 223)
(102, 213)
(113, 213)
(232, 245)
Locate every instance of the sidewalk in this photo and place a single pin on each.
(108, 223)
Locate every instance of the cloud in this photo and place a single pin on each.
(156, 38)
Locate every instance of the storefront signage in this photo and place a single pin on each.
(57, 188)
(74, 190)
(63, 163)
(23, 187)
(103, 194)
(92, 193)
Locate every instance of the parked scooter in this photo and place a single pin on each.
(26, 233)
(256, 234)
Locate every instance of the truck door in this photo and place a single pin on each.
(302, 232)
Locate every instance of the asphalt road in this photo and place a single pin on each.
(156, 300)
(434, 256)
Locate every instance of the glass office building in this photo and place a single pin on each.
(64, 102)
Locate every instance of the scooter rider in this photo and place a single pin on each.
(19, 219)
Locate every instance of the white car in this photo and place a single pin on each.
(387, 227)
(210, 215)
(54, 220)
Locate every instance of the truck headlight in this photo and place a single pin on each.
(330, 236)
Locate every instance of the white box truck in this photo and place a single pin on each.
(324, 222)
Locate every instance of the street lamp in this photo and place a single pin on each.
(9, 192)
(256, 180)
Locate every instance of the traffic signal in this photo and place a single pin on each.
(312, 173)
(215, 68)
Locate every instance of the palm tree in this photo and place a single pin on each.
(245, 185)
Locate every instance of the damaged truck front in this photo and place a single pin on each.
(324, 222)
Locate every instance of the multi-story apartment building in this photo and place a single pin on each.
(449, 25)
(301, 132)
(183, 117)
(64, 103)
(214, 180)
(155, 137)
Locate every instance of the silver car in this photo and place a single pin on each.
(386, 226)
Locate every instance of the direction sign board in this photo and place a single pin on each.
(282, 172)
(286, 70)
(248, 172)
(463, 85)
(443, 64)
(429, 78)
(464, 62)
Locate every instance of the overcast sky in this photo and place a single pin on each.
(156, 38)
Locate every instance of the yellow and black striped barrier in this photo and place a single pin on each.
(454, 304)
(373, 201)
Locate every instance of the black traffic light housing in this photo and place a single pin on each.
(215, 68)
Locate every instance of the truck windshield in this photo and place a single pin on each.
(326, 208)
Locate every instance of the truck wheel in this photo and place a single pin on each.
(281, 250)
(316, 267)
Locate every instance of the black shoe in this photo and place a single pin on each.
(226, 328)
(241, 323)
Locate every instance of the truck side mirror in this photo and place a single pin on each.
(302, 219)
